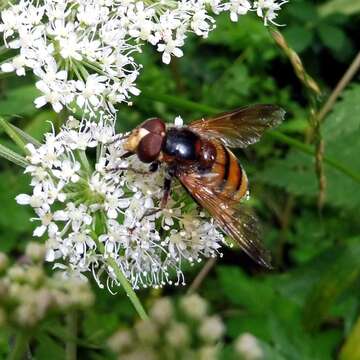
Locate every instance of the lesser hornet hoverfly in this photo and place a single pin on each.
(198, 155)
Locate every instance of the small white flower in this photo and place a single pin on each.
(267, 9)
(80, 204)
(82, 51)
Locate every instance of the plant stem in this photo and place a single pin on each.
(12, 156)
(200, 277)
(14, 136)
(349, 74)
(71, 327)
(125, 284)
(84, 160)
(307, 149)
(20, 346)
(128, 289)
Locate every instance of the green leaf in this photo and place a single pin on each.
(341, 130)
(298, 37)
(340, 275)
(16, 217)
(49, 348)
(19, 101)
(240, 290)
(348, 7)
(248, 31)
(332, 36)
(303, 11)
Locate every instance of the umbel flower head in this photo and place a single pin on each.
(29, 295)
(183, 330)
(82, 51)
(90, 206)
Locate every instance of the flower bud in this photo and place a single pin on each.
(35, 251)
(121, 341)
(212, 328)
(248, 347)
(35, 275)
(25, 315)
(177, 335)
(162, 311)
(208, 353)
(147, 332)
(17, 273)
(194, 306)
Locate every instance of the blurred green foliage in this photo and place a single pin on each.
(308, 306)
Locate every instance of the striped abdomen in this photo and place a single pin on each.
(228, 176)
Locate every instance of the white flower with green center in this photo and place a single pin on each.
(91, 206)
(82, 50)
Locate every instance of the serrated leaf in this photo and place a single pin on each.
(341, 131)
(255, 296)
(340, 275)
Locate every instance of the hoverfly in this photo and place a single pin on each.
(198, 155)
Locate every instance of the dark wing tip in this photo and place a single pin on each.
(264, 259)
(250, 238)
(275, 113)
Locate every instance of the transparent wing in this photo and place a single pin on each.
(241, 127)
(233, 218)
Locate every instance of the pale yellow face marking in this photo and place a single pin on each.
(134, 139)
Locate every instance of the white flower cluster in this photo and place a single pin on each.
(90, 205)
(173, 331)
(82, 50)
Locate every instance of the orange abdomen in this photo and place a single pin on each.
(228, 177)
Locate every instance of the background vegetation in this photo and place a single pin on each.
(308, 306)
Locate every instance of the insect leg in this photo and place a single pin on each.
(165, 197)
(126, 155)
(126, 168)
(118, 138)
(166, 189)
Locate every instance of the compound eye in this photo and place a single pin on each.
(149, 147)
(154, 125)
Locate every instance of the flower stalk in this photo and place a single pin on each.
(20, 347)
(128, 289)
(71, 326)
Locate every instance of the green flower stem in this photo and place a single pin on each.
(84, 160)
(205, 109)
(128, 289)
(125, 284)
(13, 135)
(20, 346)
(71, 327)
(12, 156)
